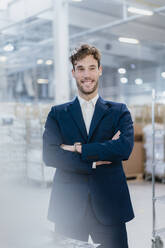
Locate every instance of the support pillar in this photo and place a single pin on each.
(61, 51)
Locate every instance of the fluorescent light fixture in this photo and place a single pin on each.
(42, 81)
(8, 48)
(163, 74)
(3, 58)
(76, 0)
(138, 81)
(122, 70)
(140, 11)
(128, 40)
(124, 80)
(40, 61)
(49, 62)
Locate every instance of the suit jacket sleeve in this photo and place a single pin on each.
(54, 155)
(113, 150)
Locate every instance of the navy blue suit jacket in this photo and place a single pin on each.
(74, 178)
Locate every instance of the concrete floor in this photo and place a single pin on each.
(23, 214)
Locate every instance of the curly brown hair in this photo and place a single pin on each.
(83, 51)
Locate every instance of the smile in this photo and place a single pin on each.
(87, 81)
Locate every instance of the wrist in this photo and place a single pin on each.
(67, 147)
(77, 147)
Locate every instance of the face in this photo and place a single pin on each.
(87, 74)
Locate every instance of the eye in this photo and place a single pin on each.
(92, 68)
(80, 69)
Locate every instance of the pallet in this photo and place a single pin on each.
(158, 178)
(135, 176)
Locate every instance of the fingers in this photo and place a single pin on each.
(117, 135)
(102, 162)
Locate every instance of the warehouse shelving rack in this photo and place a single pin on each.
(156, 233)
(33, 141)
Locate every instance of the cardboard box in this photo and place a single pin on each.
(134, 166)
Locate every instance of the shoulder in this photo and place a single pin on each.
(55, 112)
(115, 105)
(61, 107)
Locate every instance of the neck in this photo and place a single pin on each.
(88, 97)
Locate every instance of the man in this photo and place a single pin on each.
(86, 140)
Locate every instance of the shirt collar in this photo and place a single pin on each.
(93, 100)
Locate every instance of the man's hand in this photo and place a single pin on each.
(116, 136)
(102, 162)
(79, 149)
(71, 148)
(67, 148)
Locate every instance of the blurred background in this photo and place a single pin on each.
(36, 39)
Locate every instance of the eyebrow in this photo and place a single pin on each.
(81, 66)
(92, 66)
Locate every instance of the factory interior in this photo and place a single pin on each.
(36, 39)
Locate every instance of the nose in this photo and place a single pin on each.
(86, 73)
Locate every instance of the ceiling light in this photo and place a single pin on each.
(140, 11)
(8, 48)
(3, 58)
(124, 80)
(122, 70)
(128, 40)
(40, 61)
(163, 74)
(49, 62)
(42, 81)
(138, 81)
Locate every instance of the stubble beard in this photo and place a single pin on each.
(81, 89)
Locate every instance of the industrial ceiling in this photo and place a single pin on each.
(28, 26)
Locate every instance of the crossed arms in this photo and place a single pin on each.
(71, 148)
(116, 149)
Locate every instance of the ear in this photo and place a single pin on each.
(73, 73)
(100, 70)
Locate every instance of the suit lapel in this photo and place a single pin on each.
(76, 114)
(100, 110)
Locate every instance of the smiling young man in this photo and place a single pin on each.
(86, 140)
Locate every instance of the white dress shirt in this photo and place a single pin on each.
(88, 108)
